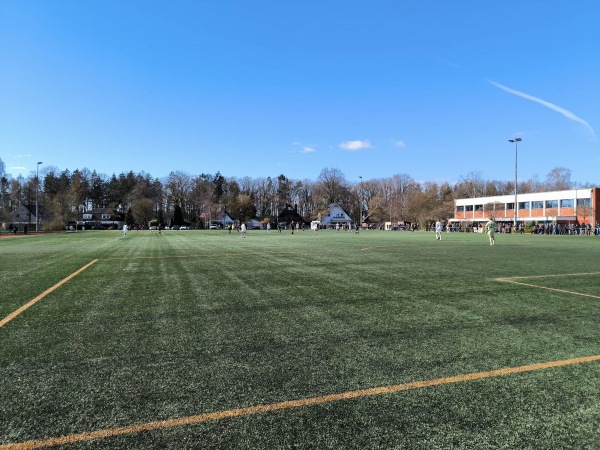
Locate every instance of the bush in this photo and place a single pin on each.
(56, 225)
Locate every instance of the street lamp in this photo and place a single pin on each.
(359, 203)
(516, 141)
(37, 211)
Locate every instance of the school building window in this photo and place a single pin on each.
(583, 202)
(566, 203)
(510, 206)
(478, 207)
(551, 203)
(469, 208)
(537, 205)
(523, 205)
(460, 209)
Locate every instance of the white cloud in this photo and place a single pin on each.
(553, 107)
(400, 144)
(305, 148)
(22, 156)
(16, 168)
(355, 146)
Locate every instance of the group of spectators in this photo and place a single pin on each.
(12, 228)
(572, 229)
(567, 229)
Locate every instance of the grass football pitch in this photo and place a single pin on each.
(202, 339)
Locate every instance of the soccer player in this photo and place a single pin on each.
(490, 229)
(124, 231)
(438, 230)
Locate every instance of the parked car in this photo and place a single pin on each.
(214, 227)
(175, 227)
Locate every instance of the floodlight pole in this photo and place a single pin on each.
(37, 182)
(359, 203)
(516, 214)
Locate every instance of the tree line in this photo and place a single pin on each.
(183, 198)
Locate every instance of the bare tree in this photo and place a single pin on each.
(331, 186)
(261, 197)
(178, 187)
(499, 187)
(302, 192)
(368, 190)
(470, 186)
(379, 209)
(531, 185)
(143, 210)
(559, 179)
(242, 208)
(403, 189)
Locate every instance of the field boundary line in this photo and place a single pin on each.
(564, 291)
(32, 302)
(290, 404)
(556, 275)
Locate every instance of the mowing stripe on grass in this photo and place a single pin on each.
(511, 280)
(203, 255)
(310, 401)
(29, 304)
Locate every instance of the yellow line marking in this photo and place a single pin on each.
(29, 304)
(310, 401)
(511, 280)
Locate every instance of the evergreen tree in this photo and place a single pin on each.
(129, 220)
(177, 215)
(161, 217)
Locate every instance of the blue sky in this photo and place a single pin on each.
(433, 89)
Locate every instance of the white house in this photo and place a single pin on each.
(335, 215)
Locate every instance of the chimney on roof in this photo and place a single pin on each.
(296, 207)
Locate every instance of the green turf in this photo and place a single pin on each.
(191, 322)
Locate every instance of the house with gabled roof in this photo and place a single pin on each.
(289, 215)
(24, 215)
(223, 220)
(103, 217)
(336, 215)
